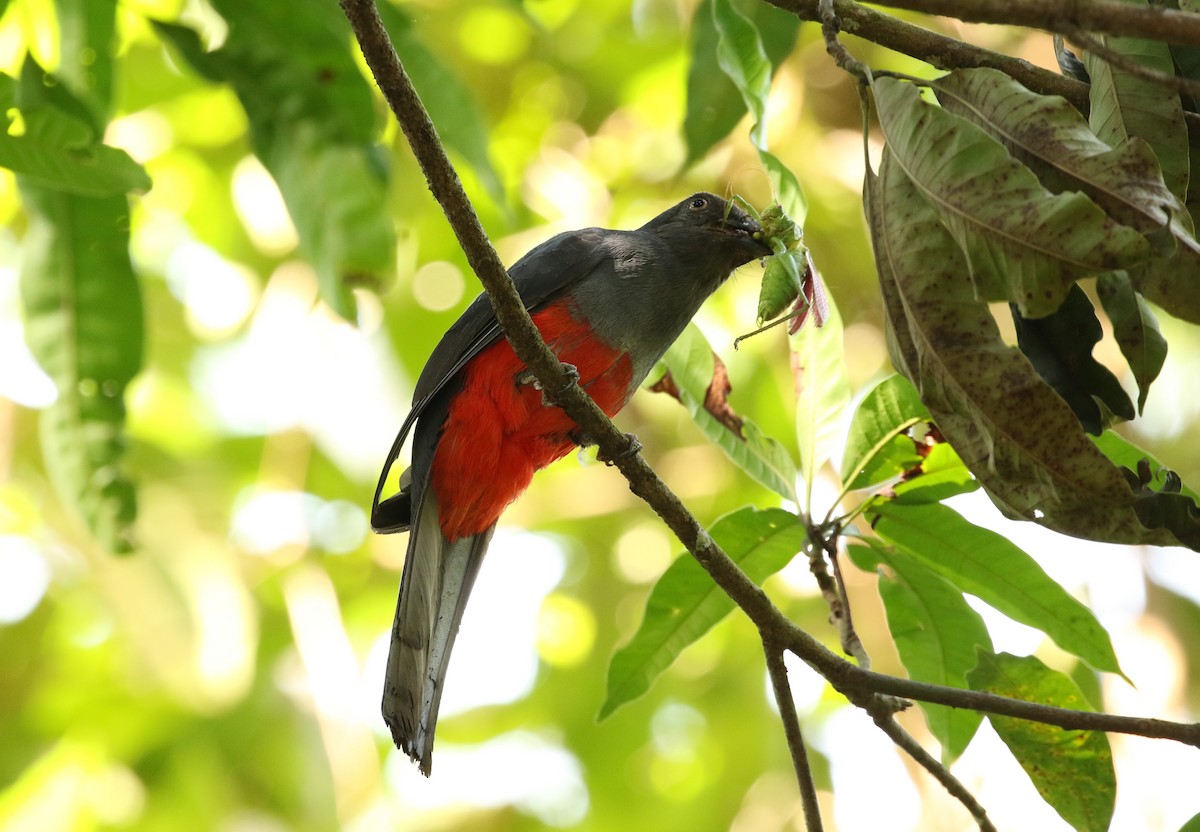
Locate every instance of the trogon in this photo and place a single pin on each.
(607, 302)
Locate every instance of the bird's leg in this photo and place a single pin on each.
(526, 376)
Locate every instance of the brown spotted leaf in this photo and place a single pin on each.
(1017, 436)
(1023, 244)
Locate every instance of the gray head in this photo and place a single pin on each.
(710, 224)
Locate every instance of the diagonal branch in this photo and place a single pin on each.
(795, 740)
(888, 724)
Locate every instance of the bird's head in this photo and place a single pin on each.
(708, 219)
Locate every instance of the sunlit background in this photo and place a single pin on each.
(227, 675)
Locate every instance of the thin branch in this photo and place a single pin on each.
(1109, 17)
(1117, 59)
(937, 50)
(830, 26)
(822, 552)
(907, 743)
(795, 740)
(855, 683)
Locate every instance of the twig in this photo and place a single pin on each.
(937, 50)
(841, 55)
(1110, 17)
(822, 551)
(1117, 59)
(905, 741)
(795, 740)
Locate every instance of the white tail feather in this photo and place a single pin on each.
(438, 576)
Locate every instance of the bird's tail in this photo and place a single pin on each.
(438, 576)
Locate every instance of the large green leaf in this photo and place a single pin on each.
(714, 105)
(685, 603)
(1048, 134)
(822, 393)
(763, 458)
(1023, 243)
(998, 572)
(1059, 346)
(876, 447)
(1135, 329)
(936, 634)
(312, 123)
(1018, 437)
(83, 322)
(1071, 769)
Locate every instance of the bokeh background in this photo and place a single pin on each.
(226, 675)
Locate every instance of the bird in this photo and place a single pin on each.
(608, 303)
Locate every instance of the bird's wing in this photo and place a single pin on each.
(541, 275)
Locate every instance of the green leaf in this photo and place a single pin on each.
(1072, 770)
(1023, 243)
(936, 633)
(742, 58)
(1135, 329)
(714, 104)
(1019, 438)
(876, 450)
(1128, 455)
(59, 146)
(1048, 134)
(942, 476)
(685, 603)
(83, 323)
(1192, 825)
(1060, 348)
(996, 571)
(60, 152)
(88, 28)
(822, 393)
(764, 459)
(312, 121)
(1124, 105)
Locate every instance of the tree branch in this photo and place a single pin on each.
(1109, 17)
(937, 50)
(1095, 45)
(887, 723)
(795, 740)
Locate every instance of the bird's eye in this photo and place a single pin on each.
(698, 204)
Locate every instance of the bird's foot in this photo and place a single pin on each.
(633, 447)
(526, 376)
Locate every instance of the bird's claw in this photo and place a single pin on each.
(527, 376)
(632, 448)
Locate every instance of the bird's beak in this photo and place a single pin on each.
(741, 224)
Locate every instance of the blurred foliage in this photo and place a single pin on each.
(226, 674)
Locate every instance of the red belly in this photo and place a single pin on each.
(498, 432)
